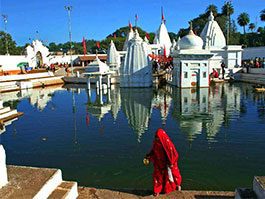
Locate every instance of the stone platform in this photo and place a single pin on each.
(93, 193)
(30, 182)
(251, 78)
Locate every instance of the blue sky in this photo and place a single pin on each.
(96, 19)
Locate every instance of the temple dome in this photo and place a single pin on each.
(191, 41)
(212, 35)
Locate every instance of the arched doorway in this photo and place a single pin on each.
(39, 59)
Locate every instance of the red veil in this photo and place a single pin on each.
(166, 176)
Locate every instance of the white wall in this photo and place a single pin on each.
(3, 171)
(9, 62)
(251, 53)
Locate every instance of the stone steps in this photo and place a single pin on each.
(37, 183)
(66, 190)
(4, 110)
(7, 114)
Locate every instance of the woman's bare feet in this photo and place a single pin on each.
(155, 194)
(179, 188)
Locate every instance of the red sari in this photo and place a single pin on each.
(166, 176)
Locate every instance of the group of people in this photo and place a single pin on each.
(158, 66)
(215, 73)
(254, 63)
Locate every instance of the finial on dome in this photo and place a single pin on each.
(191, 31)
(211, 17)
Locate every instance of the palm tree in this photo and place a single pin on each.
(228, 10)
(262, 15)
(251, 26)
(260, 30)
(243, 20)
(211, 8)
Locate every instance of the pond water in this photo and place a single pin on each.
(100, 139)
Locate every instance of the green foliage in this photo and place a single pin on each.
(211, 8)
(262, 15)
(251, 27)
(12, 48)
(243, 20)
(228, 9)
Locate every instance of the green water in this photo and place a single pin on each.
(219, 133)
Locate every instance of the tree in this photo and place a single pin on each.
(211, 8)
(12, 48)
(251, 27)
(262, 15)
(260, 30)
(228, 10)
(243, 20)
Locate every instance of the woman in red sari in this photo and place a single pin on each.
(166, 176)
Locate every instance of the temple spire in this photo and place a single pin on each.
(130, 25)
(191, 28)
(136, 20)
(190, 25)
(162, 15)
(211, 17)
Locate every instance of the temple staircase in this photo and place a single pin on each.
(37, 183)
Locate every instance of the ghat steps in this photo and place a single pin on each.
(37, 183)
(26, 81)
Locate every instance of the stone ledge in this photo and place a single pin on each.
(28, 182)
(91, 193)
(259, 186)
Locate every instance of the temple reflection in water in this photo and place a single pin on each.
(136, 104)
(196, 111)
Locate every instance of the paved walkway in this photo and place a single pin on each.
(93, 193)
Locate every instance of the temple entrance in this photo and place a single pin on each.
(194, 79)
(39, 59)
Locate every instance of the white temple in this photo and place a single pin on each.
(191, 63)
(136, 70)
(212, 35)
(37, 54)
(215, 42)
(129, 36)
(113, 57)
(162, 38)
